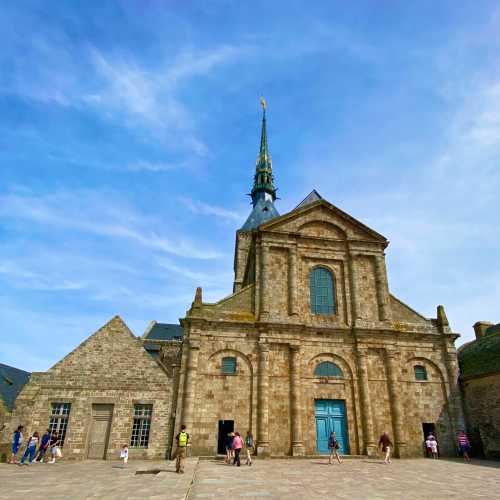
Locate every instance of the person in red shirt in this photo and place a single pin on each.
(464, 445)
(237, 445)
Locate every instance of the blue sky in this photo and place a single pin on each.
(129, 133)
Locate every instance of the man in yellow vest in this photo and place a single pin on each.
(182, 440)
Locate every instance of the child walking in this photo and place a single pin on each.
(124, 454)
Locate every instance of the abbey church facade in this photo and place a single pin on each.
(310, 341)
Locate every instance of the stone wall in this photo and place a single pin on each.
(482, 400)
(372, 336)
(110, 367)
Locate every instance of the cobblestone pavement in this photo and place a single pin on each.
(96, 479)
(307, 479)
(354, 479)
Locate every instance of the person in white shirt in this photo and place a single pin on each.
(30, 448)
(434, 448)
(124, 454)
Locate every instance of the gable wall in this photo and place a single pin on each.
(314, 238)
(111, 367)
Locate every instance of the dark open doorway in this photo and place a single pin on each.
(225, 427)
(428, 428)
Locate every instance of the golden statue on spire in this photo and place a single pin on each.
(263, 103)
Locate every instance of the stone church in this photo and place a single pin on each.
(311, 340)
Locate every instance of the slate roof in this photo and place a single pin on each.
(263, 211)
(310, 198)
(482, 356)
(12, 380)
(165, 331)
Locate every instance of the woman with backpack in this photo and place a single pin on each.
(334, 447)
(249, 447)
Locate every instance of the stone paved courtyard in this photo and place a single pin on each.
(301, 479)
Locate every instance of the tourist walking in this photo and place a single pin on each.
(464, 445)
(334, 447)
(30, 450)
(434, 448)
(44, 445)
(229, 447)
(386, 444)
(17, 441)
(55, 451)
(249, 447)
(124, 454)
(182, 440)
(237, 446)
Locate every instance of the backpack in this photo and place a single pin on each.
(183, 438)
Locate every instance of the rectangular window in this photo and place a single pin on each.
(228, 366)
(141, 426)
(59, 420)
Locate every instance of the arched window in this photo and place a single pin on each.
(321, 288)
(420, 372)
(327, 369)
(228, 366)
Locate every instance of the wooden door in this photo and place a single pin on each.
(331, 417)
(99, 431)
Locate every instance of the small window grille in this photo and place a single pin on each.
(59, 420)
(420, 372)
(228, 366)
(141, 426)
(328, 369)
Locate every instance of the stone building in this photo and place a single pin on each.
(113, 389)
(312, 340)
(12, 381)
(480, 379)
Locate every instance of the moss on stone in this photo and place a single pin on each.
(481, 357)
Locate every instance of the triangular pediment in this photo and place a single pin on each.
(109, 353)
(323, 219)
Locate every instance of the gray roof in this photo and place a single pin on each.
(310, 198)
(263, 211)
(165, 331)
(12, 380)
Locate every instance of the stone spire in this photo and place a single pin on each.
(263, 186)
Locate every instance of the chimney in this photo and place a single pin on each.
(480, 328)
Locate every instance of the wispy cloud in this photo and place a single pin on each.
(94, 213)
(201, 278)
(201, 208)
(147, 166)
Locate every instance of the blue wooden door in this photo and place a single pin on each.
(331, 417)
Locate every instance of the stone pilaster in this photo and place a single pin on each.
(264, 281)
(296, 402)
(193, 348)
(292, 281)
(395, 402)
(455, 397)
(354, 288)
(263, 401)
(366, 408)
(382, 288)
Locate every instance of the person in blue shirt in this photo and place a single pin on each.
(17, 441)
(44, 445)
